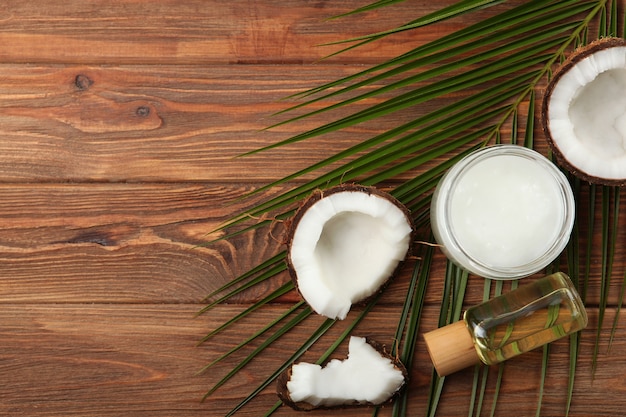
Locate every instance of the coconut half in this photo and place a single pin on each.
(369, 376)
(584, 112)
(344, 244)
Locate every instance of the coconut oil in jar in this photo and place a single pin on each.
(503, 212)
(508, 325)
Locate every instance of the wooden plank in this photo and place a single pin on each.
(120, 243)
(138, 243)
(142, 360)
(196, 31)
(119, 126)
(160, 123)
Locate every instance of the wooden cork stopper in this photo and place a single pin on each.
(451, 348)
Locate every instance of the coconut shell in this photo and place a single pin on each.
(317, 195)
(284, 377)
(578, 55)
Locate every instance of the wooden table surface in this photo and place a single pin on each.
(119, 124)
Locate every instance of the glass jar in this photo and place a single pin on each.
(503, 212)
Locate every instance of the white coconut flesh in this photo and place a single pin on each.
(345, 247)
(587, 114)
(365, 377)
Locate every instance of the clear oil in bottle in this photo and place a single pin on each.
(508, 325)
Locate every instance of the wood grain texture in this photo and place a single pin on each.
(195, 31)
(164, 123)
(143, 360)
(120, 126)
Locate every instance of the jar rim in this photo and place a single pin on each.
(444, 230)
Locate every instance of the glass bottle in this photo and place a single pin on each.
(508, 325)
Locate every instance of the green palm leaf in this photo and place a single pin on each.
(492, 67)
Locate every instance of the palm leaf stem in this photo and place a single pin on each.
(391, 152)
(474, 391)
(282, 290)
(456, 9)
(616, 208)
(325, 179)
(518, 15)
(464, 109)
(455, 283)
(614, 31)
(367, 8)
(426, 156)
(497, 389)
(618, 310)
(573, 256)
(613, 28)
(421, 211)
(534, 36)
(623, 20)
(419, 281)
(483, 388)
(237, 220)
(252, 272)
(275, 407)
(542, 378)
(530, 122)
(415, 187)
(406, 307)
(319, 332)
(514, 125)
(254, 336)
(524, 59)
(482, 372)
(610, 211)
(269, 273)
(434, 395)
(603, 27)
(306, 312)
(574, 346)
(591, 227)
(438, 16)
(565, 45)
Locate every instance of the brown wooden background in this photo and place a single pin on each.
(119, 124)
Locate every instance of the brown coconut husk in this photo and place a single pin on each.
(574, 58)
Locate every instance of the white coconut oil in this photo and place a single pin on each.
(503, 212)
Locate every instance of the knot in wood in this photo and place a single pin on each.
(82, 82)
(143, 111)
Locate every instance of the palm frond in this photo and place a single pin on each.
(306, 312)
(408, 324)
(610, 215)
(319, 332)
(267, 267)
(509, 19)
(542, 379)
(254, 336)
(456, 9)
(492, 69)
(453, 10)
(620, 302)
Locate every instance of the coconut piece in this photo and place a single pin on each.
(584, 112)
(369, 376)
(344, 244)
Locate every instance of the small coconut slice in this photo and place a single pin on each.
(369, 376)
(584, 112)
(344, 244)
